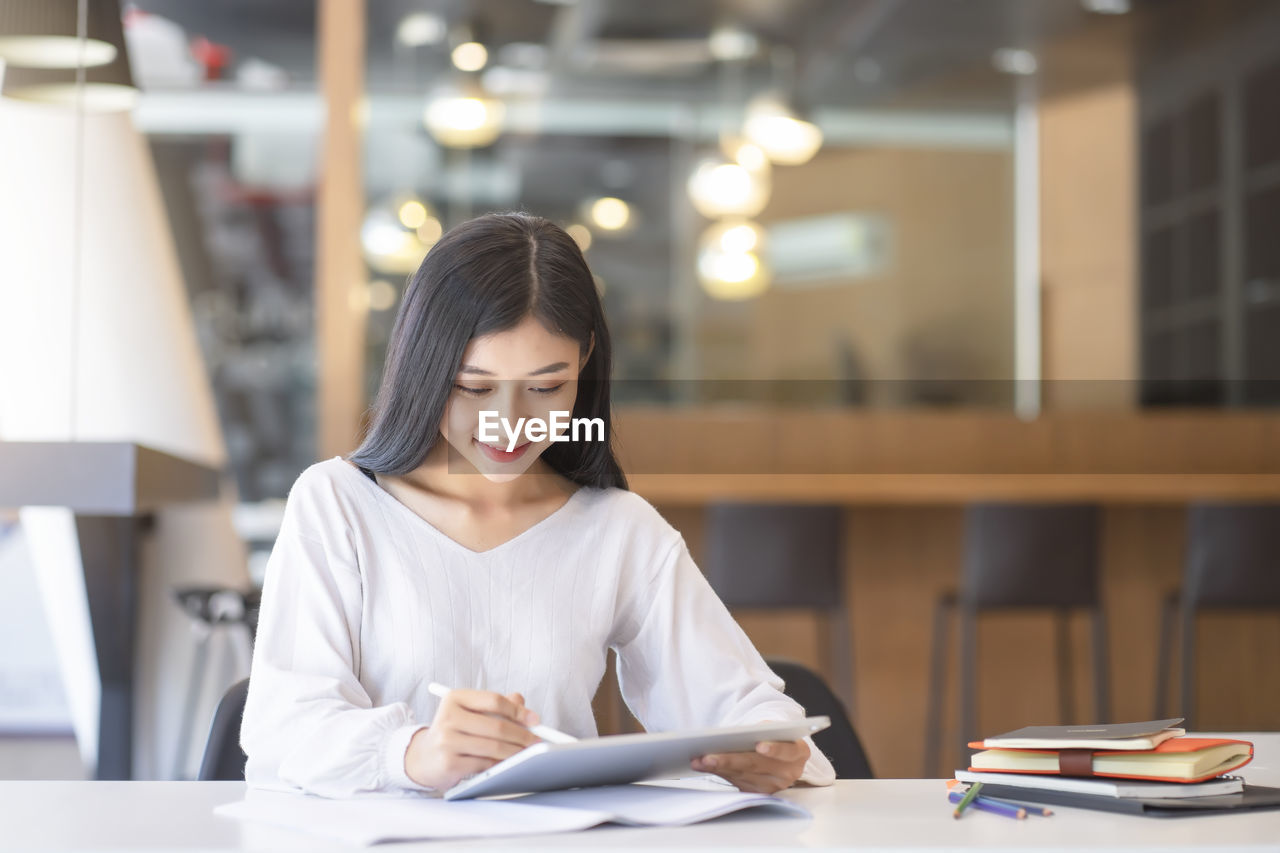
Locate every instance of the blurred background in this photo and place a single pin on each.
(971, 306)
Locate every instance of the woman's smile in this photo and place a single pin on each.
(497, 454)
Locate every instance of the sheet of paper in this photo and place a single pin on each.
(659, 805)
(372, 819)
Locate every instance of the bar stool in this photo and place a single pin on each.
(774, 556)
(1019, 556)
(1233, 563)
(211, 609)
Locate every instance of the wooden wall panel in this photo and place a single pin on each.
(900, 558)
(341, 305)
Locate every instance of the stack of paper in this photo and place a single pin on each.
(374, 819)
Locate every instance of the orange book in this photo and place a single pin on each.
(1180, 759)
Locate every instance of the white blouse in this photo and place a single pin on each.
(365, 603)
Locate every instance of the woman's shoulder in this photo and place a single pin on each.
(325, 491)
(626, 512)
(617, 501)
(327, 477)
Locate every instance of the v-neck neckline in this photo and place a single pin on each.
(385, 495)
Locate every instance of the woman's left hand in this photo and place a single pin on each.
(773, 766)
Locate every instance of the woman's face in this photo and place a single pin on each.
(523, 372)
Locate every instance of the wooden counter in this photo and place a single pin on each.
(926, 489)
(940, 444)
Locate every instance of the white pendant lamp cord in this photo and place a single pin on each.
(82, 27)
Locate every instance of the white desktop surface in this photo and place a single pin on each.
(882, 814)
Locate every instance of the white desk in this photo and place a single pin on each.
(863, 815)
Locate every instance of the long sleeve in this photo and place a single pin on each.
(308, 724)
(684, 662)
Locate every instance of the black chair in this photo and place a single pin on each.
(774, 556)
(224, 760)
(1019, 556)
(1232, 563)
(839, 742)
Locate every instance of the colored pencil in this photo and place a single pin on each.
(985, 804)
(1036, 810)
(967, 799)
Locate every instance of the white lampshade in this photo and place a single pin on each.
(131, 363)
(139, 372)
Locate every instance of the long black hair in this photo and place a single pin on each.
(485, 276)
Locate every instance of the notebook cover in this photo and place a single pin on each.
(1182, 744)
(1098, 787)
(1091, 732)
(1252, 797)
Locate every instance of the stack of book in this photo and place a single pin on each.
(1142, 768)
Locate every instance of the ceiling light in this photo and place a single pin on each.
(43, 34)
(746, 154)
(1107, 7)
(783, 135)
(470, 56)
(412, 213)
(420, 28)
(1015, 60)
(430, 231)
(729, 260)
(728, 42)
(54, 52)
(720, 187)
(42, 55)
(609, 213)
(581, 235)
(381, 234)
(389, 247)
(463, 117)
(741, 238)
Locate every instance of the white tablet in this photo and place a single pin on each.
(618, 759)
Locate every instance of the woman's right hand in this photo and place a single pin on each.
(472, 731)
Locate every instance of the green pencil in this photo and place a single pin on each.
(968, 798)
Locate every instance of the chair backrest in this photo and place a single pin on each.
(775, 555)
(839, 742)
(224, 760)
(1233, 555)
(1030, 555)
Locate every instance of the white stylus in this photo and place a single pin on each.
(545, 732)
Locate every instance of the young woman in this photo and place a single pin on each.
(507, 573)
